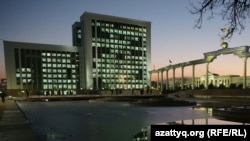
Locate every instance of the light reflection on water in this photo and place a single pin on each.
(208, 121)
(96, 121)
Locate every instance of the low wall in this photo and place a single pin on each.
(21, 92)
(128, 92)
(214, 92)
(242, 115)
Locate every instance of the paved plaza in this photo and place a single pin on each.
(13, 125)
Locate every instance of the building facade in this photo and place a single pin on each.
(51, 69)
(108, 53)
(115, 52)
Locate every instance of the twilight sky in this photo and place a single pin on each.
(173, 35)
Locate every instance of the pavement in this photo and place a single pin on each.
(13, 124)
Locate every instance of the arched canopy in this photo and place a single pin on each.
(242, 51)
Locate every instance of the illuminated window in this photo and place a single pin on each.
(44, 60)
(50, 86)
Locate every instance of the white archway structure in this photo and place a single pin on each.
(242, 52)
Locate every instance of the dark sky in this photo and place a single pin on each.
(172, 33)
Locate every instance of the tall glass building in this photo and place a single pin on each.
(115, 52)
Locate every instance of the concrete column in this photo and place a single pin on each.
(209, 59)
(245, 73)
(150, 79)
(158, 80)
(167, 82)
(173, 78)
(207, 71)
(182, 77)
(193, 76)
(161, 81)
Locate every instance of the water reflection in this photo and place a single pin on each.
(96, 121)
(208, 121)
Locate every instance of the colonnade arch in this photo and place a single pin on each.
(242, 52)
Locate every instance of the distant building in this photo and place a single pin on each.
(215, 81)
(115, 52)
(226, 81)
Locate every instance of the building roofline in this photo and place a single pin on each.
(110, 16)
(21, 42)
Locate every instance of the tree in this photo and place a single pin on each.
(235, 12)
(210, 86)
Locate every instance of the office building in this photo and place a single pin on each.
(108, 52)
(115, 52)
(52, 69)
